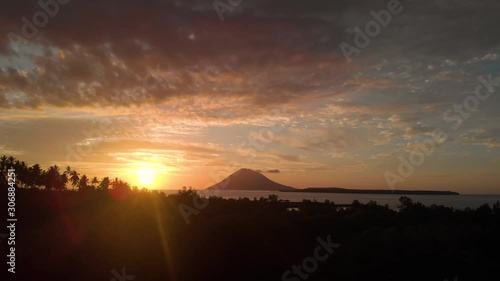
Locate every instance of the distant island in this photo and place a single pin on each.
(247, 179)
(372, 191)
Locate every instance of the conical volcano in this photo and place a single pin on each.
(246, 179)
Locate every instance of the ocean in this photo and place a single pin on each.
(455, 201)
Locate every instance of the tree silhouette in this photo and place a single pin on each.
(94, 182)
(35, 177)
(75, 179)
(104, 184)
(83, 184)
(63, 180)
(10, 161)
(21, 173)
(54, 179)
(120, 185)
(3, 163)
(3, 169)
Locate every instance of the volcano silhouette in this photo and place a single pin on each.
(246, 179)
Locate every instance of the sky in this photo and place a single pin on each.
(317, 93)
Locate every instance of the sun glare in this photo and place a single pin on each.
(146, 176)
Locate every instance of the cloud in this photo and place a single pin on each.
(290, 49)
(486, 137)
(325, 138)
(275, 171)
(81, 61)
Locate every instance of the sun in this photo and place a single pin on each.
(146, 176)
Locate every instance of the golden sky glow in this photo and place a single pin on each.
(165, 99)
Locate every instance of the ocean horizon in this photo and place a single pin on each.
(461, 201)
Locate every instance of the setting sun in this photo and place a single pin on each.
(146, 176)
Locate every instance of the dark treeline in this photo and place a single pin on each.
(87, 235)
(54, 178)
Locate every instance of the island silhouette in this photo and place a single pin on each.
(248, 179)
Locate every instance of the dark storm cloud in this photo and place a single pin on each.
(95, 53)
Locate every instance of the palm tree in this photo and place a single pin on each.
(3, 162)
(120, 185)
(114, 183)
(24, 173)
(94, 182)
(52, 178)
(10, 161)
(75, 178)
(22, 176)
(34, 178)
(104, 185)
(3, 169)
(83, 184)
(61, 183)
